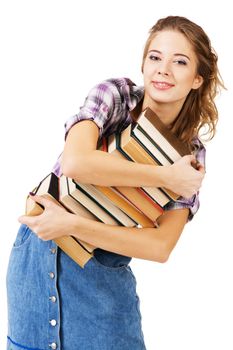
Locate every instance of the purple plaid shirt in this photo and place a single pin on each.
(108, 104)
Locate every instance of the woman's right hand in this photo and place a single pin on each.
(185, 177)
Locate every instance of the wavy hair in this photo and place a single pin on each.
(199, 114)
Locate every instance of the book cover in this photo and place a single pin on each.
(162, 135)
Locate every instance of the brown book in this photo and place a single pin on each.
(141, 201)
(149, 145)
(77, 250)
(125, 206)
(158, 132)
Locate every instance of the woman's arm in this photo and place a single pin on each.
(153, 244)
(82, 162)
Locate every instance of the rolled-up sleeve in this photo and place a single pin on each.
(98, 106)
(192, 203)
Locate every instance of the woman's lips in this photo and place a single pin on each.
(162, 85)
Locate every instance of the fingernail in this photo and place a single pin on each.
(32, 193)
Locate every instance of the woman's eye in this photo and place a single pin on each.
(182, 62)
(154, 58)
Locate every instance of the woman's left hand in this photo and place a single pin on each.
(52, 223)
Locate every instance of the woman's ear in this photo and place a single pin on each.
(197, 82)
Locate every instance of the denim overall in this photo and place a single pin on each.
(55, 304)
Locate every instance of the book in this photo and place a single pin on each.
(161, 136)
(141, 201)
(127, 207)
(150, 146)
(87, 193)
(79, 251)
(79, 195)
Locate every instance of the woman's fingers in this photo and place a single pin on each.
(187, 179)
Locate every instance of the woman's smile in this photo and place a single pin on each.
(162, 85)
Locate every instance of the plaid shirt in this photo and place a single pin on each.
(108, 104)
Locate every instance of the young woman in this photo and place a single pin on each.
(55, 304)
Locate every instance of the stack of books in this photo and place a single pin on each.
(148, 142)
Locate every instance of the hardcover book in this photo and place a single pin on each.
(79, 251)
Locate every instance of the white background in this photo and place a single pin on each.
(52, 53)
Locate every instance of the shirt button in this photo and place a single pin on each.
(53, 322)
(53, 346)
(51, 275)
(53, 250)
(53, 298)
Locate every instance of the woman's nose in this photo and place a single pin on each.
(163, 73)
(163, 68)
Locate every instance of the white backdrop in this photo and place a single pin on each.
(52, 53)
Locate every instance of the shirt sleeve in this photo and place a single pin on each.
(98, 107)
(192, 203)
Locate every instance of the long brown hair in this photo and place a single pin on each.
(199, 111)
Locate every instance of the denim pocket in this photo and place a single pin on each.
(22, 237)
(106, 267)
(110, 261)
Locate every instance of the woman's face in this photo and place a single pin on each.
(170, 70)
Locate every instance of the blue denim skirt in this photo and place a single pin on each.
(55, 304)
